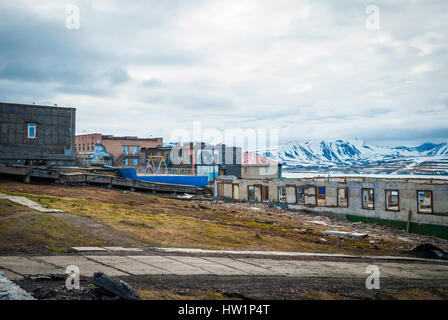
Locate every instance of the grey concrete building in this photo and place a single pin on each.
(417, 204)
(36, 135)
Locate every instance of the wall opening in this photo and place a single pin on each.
(251, 193)
(368, 200)
(235, 192)
(281, 194)
(343, 197)
(321, 195)
(424, 201)
(301, 195)
(392, 200)
(265, 194)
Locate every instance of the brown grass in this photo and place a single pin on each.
(166, 222)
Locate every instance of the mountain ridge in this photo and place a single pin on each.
(356, 154)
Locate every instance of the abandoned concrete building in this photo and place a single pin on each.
(123, 151)
(37, 135)
(417, 204)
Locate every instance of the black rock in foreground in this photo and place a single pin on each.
(115, 286)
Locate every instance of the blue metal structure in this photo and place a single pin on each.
(197, 181)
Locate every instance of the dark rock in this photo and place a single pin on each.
(115, 286)
(428, 251)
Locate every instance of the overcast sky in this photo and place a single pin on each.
(311, 69)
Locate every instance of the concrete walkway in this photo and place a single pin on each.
(16, 267)
(27, 203)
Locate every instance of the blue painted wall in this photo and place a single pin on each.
(197, 181)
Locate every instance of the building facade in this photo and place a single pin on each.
(421, 203)
(37, 135)
(121, 151)
(255, 166)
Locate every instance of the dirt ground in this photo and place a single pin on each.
(100, 216)
(171, 287)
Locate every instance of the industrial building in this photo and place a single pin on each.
(37, 135)
(416, 204)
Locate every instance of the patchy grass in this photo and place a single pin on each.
(416, 294)
(166, 222)
(24, 228)
(168, 295)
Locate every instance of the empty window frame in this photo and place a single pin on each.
(220, 190)
(392, 200)
(321, 195)
(281, 194)
(235, 192)
(265, 193)
(32, 130)
(424, 201)
(251, 193)
(343, 197)
(300, 195)
(368, 199)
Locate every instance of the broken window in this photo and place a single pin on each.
(392, 200)
(424, 201)
(321, 194)
(368, 198)
(251, 193)
(301, 195)
(281, 194)
(343, 197)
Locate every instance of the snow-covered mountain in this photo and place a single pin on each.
(355, 155)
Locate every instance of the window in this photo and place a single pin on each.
(83, 147)
(135, 162)
(126, 162)
(88, 146)
(301, 195)
(135, 150)
(32, 130)
(343, 197)
(321, 194)
(251, 193)
(392, 200)
(368, 199)
(281, 194)
(424, 201)
(126, 149)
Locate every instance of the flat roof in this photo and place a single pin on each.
(35, 106)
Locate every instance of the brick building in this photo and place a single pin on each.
(125, 151)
